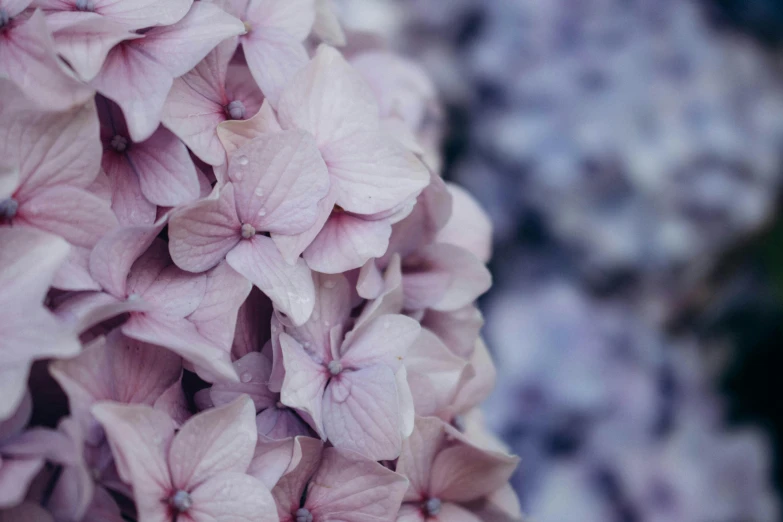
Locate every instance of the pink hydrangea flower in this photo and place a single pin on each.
(196, 474)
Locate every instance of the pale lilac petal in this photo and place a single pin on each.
(87, 309)
(328, 99)
(279, 178)
(74, 273)
(410, 513)
(304, 459)
(274, 57)
(241, 86)
(373, 172)
(384, 340)
(232, 497)
(25, 512)
(15, 479)
(216, 315)
(433, 374)
(295, 17)
(138, 83)
(405, 402)
(347, 242)
(304, 383)
(353, 488)
(233, 134)
(215, 441)
(76, 215)
(181, 337)
(127, 200)
(327, 26)
(138, 14)
(370, 283)
(84, 39)
(140, 438)
(418, 454)
(49, 149)
(14, 7)
(29, 259)
(16, 423)
(444, 277)
(387, 293)
(289, 287)
(280, 423)
(28, 59)
(253, 324)
(458, 329)
(272, 458)
(166, 173)
(478, 385)
(115, 253)
(456, 513)
(463, 472)
(253, 370)
(292, 246)
(179, 47)
(201, 234)
(174, 292)
(469, 226)
(361, 412)
(174, 403)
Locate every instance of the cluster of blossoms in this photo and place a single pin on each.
(233, 283)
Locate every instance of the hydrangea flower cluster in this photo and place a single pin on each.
(233, 283)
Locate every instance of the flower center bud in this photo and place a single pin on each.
(432, 507)
(303, 515)
(4, 18)
(181, 501)
(8, 209)
(236, 110)
(119, 143)
(248, 27)
(248, 231)
(335, 367)
(85, 5)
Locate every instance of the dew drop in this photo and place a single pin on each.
(259, 192)
(329, 283)
(262, 212)
(242, 160)
(246, 377)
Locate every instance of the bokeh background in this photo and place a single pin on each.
(630, 156)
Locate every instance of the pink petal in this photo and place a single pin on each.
(14, 7)
(384, 340)
(140, 438)
(233, 134)
(138, 83)
(271, 459)
(289, 287)
(78, 216)
(295, 17)
(113, 256)
(181, 337)
(444, 277)
(74, 273)
(174, 292)
(29, 259)
(304, 459)
(215, 441)
(274, 57)
(179, 47)
(49, 149)
(15, 479)
(216, 315)
(386, 293)
(253, 370)
(292, 246)
(418, 454)
(196, 104)
(28, 59)
(279, 177)
(469, 226)
(373, 172)
(327, 25)
(458, 329)
(476, 388)
(232, 497)
(304, 383)
(463, 472)
(167, 175)
(433, 374)
(361, 412)
(25, 512)
(347, 242)
(127, 200)
(138, 14)
(241, 86)
(353, 488)
(280, 423)
(449, 511)
(411, 513)
(174, 403)
(84, 39)
(253, 324)
(327, 87)
(87, 309)
(201, 234)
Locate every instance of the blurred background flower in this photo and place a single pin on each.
(630, 154)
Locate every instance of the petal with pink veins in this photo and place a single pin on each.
(353, 488)
(293, 245)
(234, 134)
(253, 370)
(127, 200)
(304, 459)
(215, 441)
(304, 382)
(384, 340)
(279, 178)
(201, 234)
(346, 242)
(289, 287)
(28, 59)
(361, 412)
(273, 56)
(233, 497)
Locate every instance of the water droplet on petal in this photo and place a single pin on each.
(262, 212)
(259, 192)
(242, 160)
(246, 377)
(329, 283)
